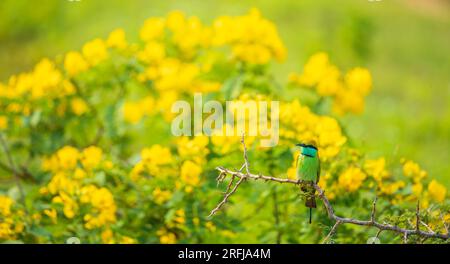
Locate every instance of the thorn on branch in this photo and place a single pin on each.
(246, 164)
(427, 226)
(374, 209)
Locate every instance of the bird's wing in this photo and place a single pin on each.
(318, 170)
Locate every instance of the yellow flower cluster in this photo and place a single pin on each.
(193, 153)
(347, 91)
(155, 161)
(299, 124)
(177, 221)
(158, 161)
(71, 170)
(9, 226)
(413, 170)
(108, 237)
(3, 122)
(223, 144)
(161, 196)
(351, 179)
(190, 174)
(133, 112)
(102, 206)
(166, 237)
(377, 169)
(195, 149)
(252, 38)
(44, 81)
(437, 191)
(93, 53)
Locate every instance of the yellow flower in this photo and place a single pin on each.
(116, 39)
(91, 157)
(315, 69)
(252, 38)
(147, 105)
(180, 217)
(67, 157)
(95, 51)
(210, 226)
(79, 174)
(175, 20)
(61, 182)
(437, 191)
(160, 196)
(74, 63)
(79, 106)
(195, 149)
(132, 112)
(228, 233)
(376, 168)
(190, 173)
(156, 155)
(348, 101)
(127, 240)
(351, 179)
(103, 207)
(359, 80)
(52, 214)
(417, 189)
(5, 205)
(153, 52)
(413, 170)
(3, 122)
(166, 237)
(153, 28)
(107, 236)
(391, 188)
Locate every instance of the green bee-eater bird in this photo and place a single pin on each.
(308, 170)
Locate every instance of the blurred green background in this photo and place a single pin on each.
(404, 43)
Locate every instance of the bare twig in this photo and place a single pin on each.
(329, 208)
(230, 184)
(225, 198)
(331, 233)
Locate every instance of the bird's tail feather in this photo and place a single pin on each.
(310, 214)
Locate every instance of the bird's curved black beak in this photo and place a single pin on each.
(300, 145)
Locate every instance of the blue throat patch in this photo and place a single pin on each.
(310, 152)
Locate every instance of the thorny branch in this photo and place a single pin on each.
(223, 172)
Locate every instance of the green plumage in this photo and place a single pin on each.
(308, 170)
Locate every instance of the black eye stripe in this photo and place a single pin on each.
(311, 146)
